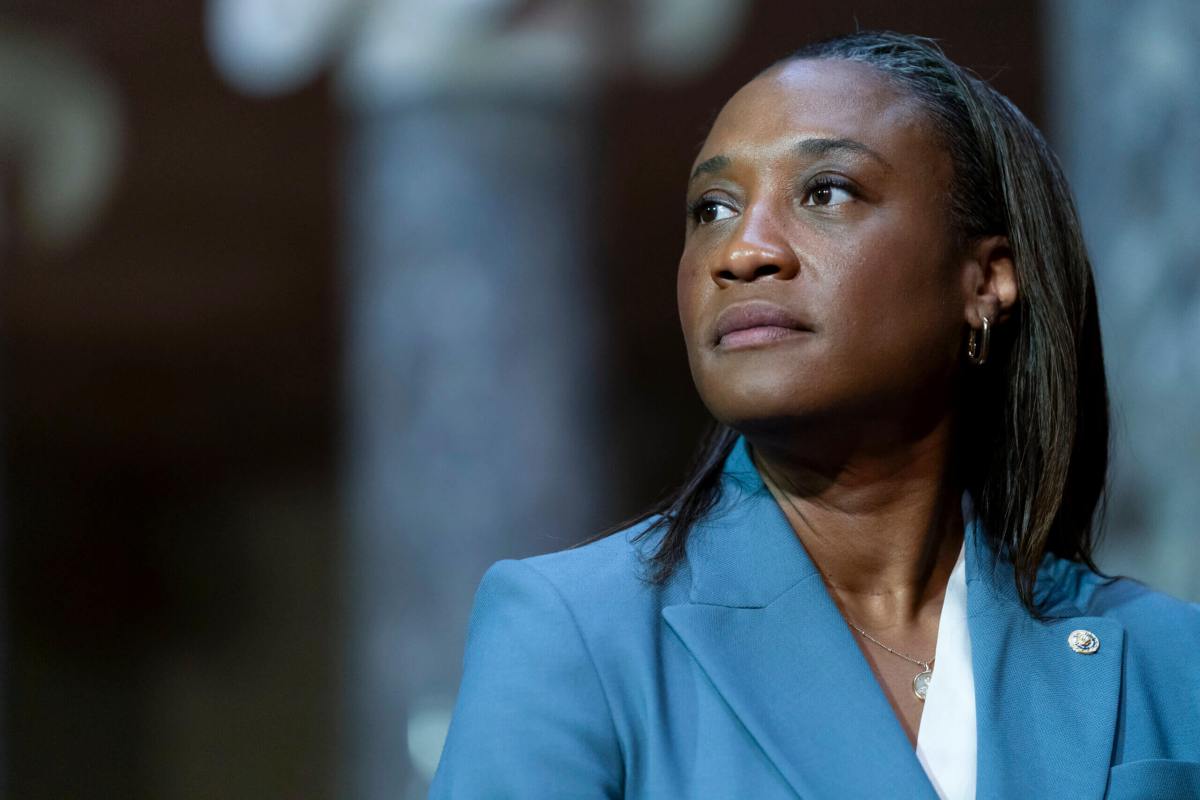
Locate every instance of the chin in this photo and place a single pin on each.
(751, 402)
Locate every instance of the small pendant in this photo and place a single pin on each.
(921, 684)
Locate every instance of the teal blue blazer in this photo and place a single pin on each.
(739, 679)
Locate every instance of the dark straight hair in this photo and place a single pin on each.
(1032, 442)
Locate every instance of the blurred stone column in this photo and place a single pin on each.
(1125, 114)
(475, 391)
(475, 384)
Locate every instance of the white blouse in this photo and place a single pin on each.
(946, 744)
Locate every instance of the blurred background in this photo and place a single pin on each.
(313, 309)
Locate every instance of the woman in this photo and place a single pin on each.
(877, 581)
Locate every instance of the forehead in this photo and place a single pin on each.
(829, 98)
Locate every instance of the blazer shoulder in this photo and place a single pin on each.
(531, 702)
(1161, 632)
(1151, 619)
(1126, 600)
(612, 569)
(1135, 604)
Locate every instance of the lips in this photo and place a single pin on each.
(755, 322)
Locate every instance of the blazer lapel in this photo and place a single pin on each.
(1046, 715)
(771, 640)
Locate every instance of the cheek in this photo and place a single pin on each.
(688, 289)
(896, 301)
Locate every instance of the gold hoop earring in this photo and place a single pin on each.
(977, 343)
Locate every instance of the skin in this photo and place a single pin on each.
(822, 189)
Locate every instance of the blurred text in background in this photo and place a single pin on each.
(313, 309)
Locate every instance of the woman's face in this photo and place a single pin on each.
(820, 280)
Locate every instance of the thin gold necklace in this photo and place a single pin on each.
(920, 681)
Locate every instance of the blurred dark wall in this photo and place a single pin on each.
(161, 385)
(170, 398)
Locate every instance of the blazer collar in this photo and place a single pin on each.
(1046, 715)
(774, 644)
(770, 638)
(744, 554)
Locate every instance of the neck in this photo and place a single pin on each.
(883, 527)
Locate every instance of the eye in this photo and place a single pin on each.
(706, 210)
(827, 192)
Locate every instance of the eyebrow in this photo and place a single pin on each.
(811, 148)
(814, 148)
(709, 166)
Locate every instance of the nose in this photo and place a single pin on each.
(757, 250)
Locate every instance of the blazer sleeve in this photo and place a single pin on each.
(532, 719)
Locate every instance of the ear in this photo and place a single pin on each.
(990, 278)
